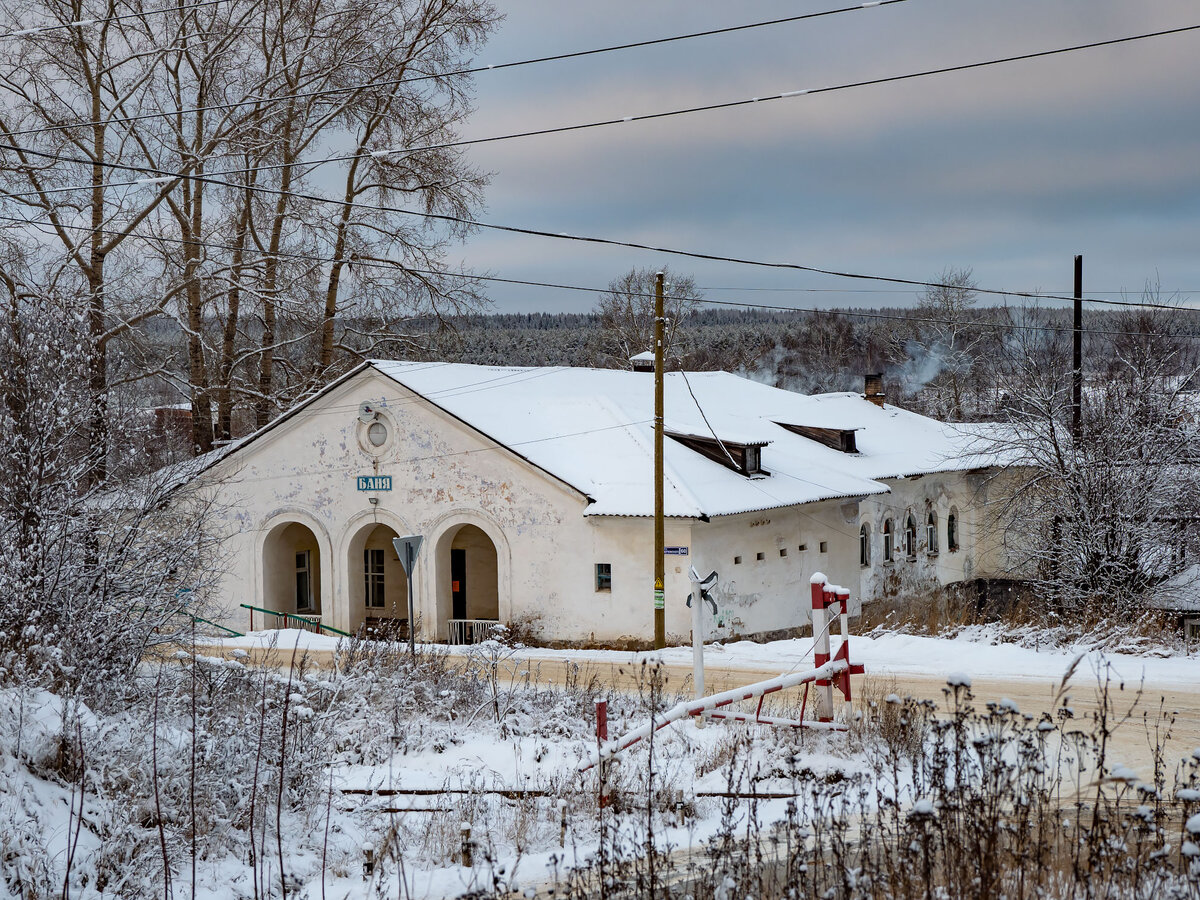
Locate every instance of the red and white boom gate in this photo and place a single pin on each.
(830, 602)
(826, 675)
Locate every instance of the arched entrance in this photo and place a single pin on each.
(377, 581)
(468, 599)
(292, 582)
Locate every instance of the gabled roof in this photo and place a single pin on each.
(593, 430)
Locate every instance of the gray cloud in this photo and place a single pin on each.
(1011, 170)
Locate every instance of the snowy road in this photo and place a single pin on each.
(904, 664)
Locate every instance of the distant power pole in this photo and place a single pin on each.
(660, 572)
(1077, 354)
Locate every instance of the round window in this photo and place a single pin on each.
(377, 434)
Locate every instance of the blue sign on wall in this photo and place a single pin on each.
(675, 551)
(374, 482)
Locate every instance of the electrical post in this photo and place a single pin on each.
(660, 569)
(1077, 354)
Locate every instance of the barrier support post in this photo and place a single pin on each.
(823, 696)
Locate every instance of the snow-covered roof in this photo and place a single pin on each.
(1180, 592)
(593, 429)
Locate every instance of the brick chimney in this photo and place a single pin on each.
(873, 388)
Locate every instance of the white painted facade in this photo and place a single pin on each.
(491, 467)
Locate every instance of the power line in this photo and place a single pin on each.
(474, 70)
(784, 290)
(86, 23)
(396, 265)
(437, 456)
(611, 242)
(604, 123)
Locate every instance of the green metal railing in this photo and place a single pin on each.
(230, 631)
(311, 623)
(215, 625)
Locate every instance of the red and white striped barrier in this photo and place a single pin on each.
(828, 602)
(718, 701)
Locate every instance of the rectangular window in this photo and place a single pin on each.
(824, 546)
(737, 560)
(783, 551)
(604, 576)
(760, 556)
(304, 591)
(373, 575)
(802, 547)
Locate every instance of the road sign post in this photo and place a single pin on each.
(407, 548)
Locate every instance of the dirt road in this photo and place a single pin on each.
(1131, 740)
(1131, 743)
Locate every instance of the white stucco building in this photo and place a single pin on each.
(533, 491)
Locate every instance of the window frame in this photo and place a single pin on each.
(603, 577)
(931, 533)
(889, 542)
(864, 545)
(374, 583)
(910, 536)
(953, 541)
(304, 570)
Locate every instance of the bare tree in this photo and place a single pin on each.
(91, 573)
(161, 158)
(626, 312)
(942, 342)
(1100, 518)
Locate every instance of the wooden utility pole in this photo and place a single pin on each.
(660, 573)
(1077, 354)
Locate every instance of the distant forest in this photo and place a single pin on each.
(946, 363)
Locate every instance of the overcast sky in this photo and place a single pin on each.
(1009, 170)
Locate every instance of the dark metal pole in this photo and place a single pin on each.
(660, 574)
(1077, 355)
(412, 619)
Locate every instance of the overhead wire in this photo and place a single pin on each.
(473, 70)
(400, 266)
(158, 173)
(437, 456)
(634, 245)
(163, 175)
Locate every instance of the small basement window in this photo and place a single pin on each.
(760, 556)
(603, 576)
(744, 458)
(835, 438)
(802, 547)
(737, 560)
(783, 551)
(824, 546)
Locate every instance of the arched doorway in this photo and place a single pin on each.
(292, 582)
(378, 583)
(468, 584)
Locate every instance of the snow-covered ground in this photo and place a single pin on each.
(392, 729)
(974, 651)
